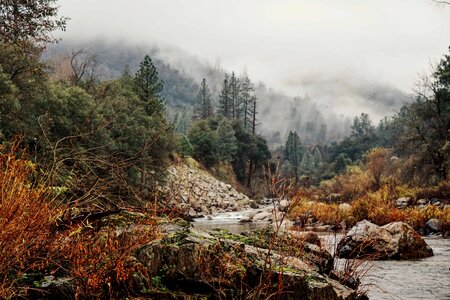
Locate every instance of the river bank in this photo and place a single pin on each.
(404, 279)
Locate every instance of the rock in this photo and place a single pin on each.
(403, 202)
(192, 213)
(283, 205)
(396, 240)
(254, 205)
(422, 202)
(262, 216)
(318, 228)
(435, 200)
(200, 190)
(334, 197)
(193, 262)
(310, 237)
(438, 204)
(345, 207)
(184, 198)
(433, 225)
(246, 220)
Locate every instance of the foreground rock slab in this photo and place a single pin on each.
(395, 240)
(227, 266)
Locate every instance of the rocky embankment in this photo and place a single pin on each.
(229, 266)
(185, 263)
(198, 193)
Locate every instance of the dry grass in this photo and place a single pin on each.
(378, 207)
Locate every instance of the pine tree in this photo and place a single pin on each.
(227, 143)
(293, 151)
(306, 163)
(317, 157)
(203, 109)
(224, 99)
(235, 92)
(149, 87)
(253, 112)
(247, 99)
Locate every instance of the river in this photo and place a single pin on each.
(427, 278)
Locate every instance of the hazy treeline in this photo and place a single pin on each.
(182, 73)
(415, 140)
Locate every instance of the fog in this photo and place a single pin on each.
(350, 56)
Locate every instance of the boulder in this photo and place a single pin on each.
(395, 240)
(201, 264)
(246, 220)
(263, 216)
(403, 202)
(283, 205)
(253, 204)
(334, 197)
(422, 202)
(345, 207)
(433, 225)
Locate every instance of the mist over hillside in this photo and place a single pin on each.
(322, 113)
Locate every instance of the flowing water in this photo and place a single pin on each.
(427, 278)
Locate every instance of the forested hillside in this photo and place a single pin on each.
(314, 122)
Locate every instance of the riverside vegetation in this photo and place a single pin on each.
(85, 211)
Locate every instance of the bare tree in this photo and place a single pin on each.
(83, 64)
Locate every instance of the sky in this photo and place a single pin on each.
(292, 45)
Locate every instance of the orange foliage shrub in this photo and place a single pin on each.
(101, 262)
(353, 184)
(27, 216)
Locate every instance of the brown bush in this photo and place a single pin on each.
(101, 261)
(28, 214)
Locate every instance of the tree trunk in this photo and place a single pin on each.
(250, 170)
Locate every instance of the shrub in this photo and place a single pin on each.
(101, 260)
(28, 215)
(354, 183)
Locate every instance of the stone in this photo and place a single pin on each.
(310, 237)
(263, 216)
(345, 207)
(201, 191)
(422, 202)
(283, 205)
(433, 225)
(333, 197)
(192, 213)
(253, 204)
(395, 240)
(194, 261)
(435, 200)
(403, 202)
(246, 220)
(318, 228)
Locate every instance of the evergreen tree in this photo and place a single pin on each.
(149, 87)
(235, 99)
(247, 101)
(306, 163)
(184, 146)
(227, 144)
(293, 151)
(203, 108)
(224, 99)
(253, 112)
(204, 142)
(317, 158)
